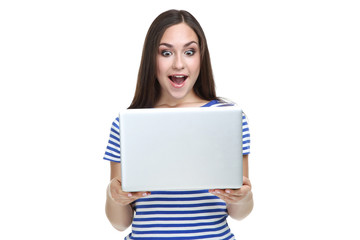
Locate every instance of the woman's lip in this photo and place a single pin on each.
(178, 75)
(176, 85)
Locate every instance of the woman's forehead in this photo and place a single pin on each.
(179, 34)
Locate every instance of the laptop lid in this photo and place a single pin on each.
(181, 148)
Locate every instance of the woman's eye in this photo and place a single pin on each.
(190, 52)
(166, 53)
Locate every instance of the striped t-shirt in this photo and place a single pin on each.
(180, 215)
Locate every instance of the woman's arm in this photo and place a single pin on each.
(243, 200)
(118, 209)
(239, 201)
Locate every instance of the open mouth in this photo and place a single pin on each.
(178, 79)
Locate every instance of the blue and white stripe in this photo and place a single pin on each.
(195, 214)
(178, 215)
(112, 152)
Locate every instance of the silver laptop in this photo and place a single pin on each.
(181, 148)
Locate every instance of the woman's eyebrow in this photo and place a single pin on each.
(171, 46)
(166, 44)
(189, 43)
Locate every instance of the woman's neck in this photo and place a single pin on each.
(182, 104)
(191, 100)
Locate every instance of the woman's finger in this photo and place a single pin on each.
(138, 195)
(122, 197)
(221, 193)
(246, 181)
(239, 192)
(228, 198)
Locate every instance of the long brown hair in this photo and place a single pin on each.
(148, 89)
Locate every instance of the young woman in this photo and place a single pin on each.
(175, 71)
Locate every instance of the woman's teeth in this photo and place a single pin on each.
(178, 79)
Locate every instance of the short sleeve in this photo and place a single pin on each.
(112, 152)
(246, 135)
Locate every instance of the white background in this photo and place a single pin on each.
(68, 67)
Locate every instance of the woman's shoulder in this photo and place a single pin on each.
(221, 102)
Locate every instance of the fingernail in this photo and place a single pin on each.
(227, 191)
(129, 195)
(144, 194)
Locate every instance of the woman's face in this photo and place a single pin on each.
(178, 64)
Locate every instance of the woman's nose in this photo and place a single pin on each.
(178, 62)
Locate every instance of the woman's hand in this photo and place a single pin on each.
(234, 196)
(119, 196)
